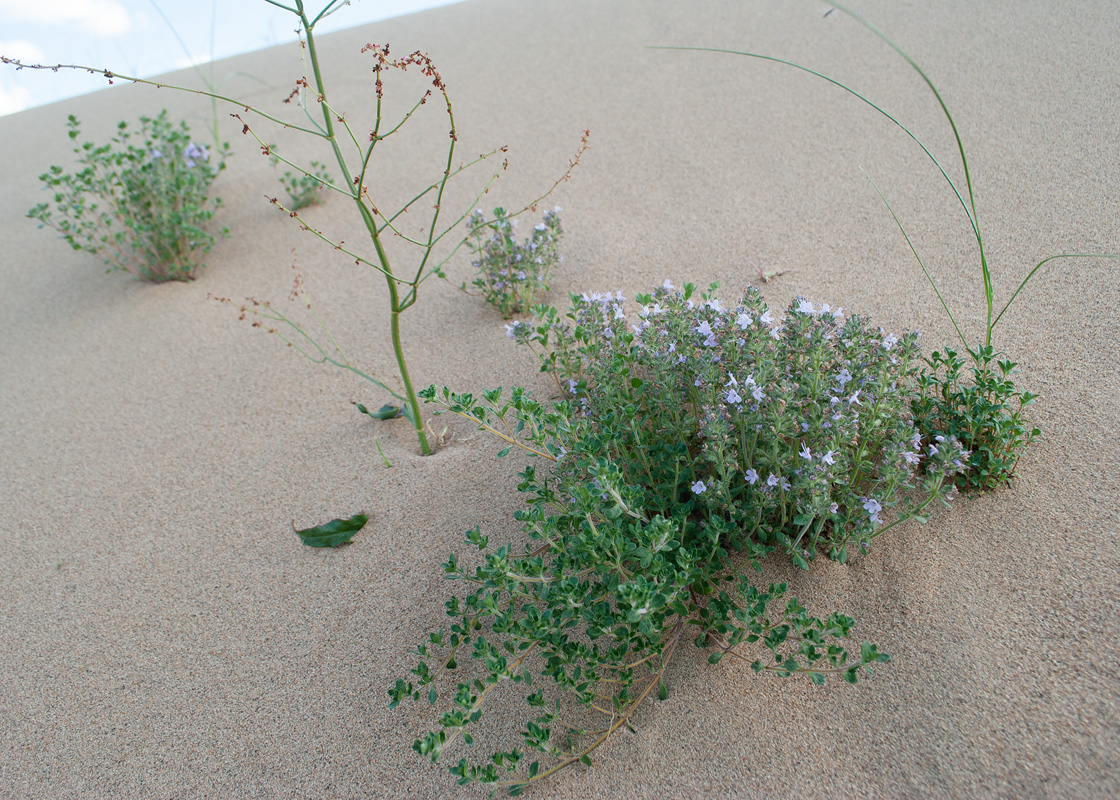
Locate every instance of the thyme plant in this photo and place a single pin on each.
(511, 275)
(304, 189)
(688, 444)
(141, 201)
(985, 411)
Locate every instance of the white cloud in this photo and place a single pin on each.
(21, 50)
(13, 100)
(100, 17)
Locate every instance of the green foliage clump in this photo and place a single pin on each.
(687, 446)
(304, 187)
(985, 414)
(511, 275)
(143, 207)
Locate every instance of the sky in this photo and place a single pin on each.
(149, 37)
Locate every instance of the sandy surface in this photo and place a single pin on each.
(165, 635)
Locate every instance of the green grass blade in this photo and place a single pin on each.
(929, 277)
(854, 93)
(1037, 267)
(988, 291)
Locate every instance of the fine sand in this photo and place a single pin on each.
(165, 635)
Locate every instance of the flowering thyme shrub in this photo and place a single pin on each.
(689, 444)
(143, 207)
(511, 275)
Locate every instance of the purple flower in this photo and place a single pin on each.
(805, 307)
(733, 397)
(752, 477)
(699, 487)
(193, 152)
(773, 480)
(873, 507)
(743, 320)
(806, 453)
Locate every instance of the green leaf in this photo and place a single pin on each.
(715, 658)
(503, 452)
(383, 413)
(333, 533)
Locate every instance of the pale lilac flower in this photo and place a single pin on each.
(854, 399)
(668, 285)
(193, 152)
(752, 477)
(766, 317)
(827, 458)
(773, 480)
(933, 450)
(732, 382)
(715, 305)
(733, 397)
(785, 484)
(699, 487)
(743, 320)
(832, 509)
(156, 152)
(911, 458)
(758, 394)
(704, 329)
(806, 453)
(804, 427)
(541, 227)
(843, 377)
(711, 341)
(804, 306)
(873, 507)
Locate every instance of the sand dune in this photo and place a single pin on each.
(165, 635)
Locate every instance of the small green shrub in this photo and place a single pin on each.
(304, 188)
(512, 275)
(143, 207)
(687, 447)
(986, 414)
